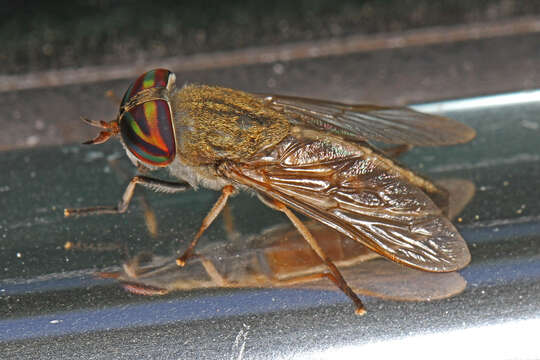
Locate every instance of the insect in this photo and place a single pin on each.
(280, 257)
(310, 156)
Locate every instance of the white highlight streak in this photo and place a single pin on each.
(508, 340)
(516, 98)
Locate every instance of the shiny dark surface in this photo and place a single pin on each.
(52, 305)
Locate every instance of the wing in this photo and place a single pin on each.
(392, 125)
(360, 194)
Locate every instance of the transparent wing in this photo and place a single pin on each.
(392, 125)
(360, 195)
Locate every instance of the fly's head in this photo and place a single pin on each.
(145, 121)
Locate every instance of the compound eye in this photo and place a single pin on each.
(147, 132)
(157, 78)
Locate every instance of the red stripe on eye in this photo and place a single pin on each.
(158, 78)
(136, 86)
(155, 138)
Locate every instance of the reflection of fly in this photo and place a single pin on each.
(310, 156)
(280, 257)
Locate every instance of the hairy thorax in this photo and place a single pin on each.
(213, 124)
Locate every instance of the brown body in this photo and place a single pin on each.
(228, 137)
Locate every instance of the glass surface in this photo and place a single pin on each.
(53, 304)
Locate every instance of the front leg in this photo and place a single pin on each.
(152, 184)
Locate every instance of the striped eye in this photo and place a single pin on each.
(148, 133)
(157, 78)
(146, 122)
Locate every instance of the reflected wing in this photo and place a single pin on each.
(460, 193)
(393, 125)
(360, 195)
(388, 280)
(288, 255)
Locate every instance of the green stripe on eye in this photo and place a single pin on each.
(149, 79)
(153, 158)
(135, 127)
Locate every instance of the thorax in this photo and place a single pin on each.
(214, 124)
